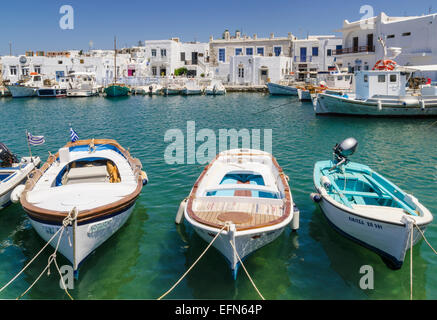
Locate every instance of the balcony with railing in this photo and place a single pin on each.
(355, 49)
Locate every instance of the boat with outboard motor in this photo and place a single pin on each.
(216, 87)
(243, 195)
(366, 207)
(13, 172)
(92, 186)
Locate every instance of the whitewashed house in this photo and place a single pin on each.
(163, 57)
(415, 35)
(231, 54)
(314, 55)
(258, 70)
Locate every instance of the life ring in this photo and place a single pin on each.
(387, 65)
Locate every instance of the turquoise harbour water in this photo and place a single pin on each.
(149, 254)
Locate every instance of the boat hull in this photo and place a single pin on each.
(187, 92)
(116, 91)
(245, 242)
(170, 92)
(52, 93)
(332, 104)
(390, 241)
(304, 95)
(81, 93)
(277, 89)
(20, 177)
(22, 91)
(79, 241)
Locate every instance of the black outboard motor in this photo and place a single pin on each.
(343, 150)
(7, 158)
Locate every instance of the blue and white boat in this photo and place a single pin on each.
(97, 179)
(246, 192)
(281, 89)
(366, 207)
(13, 173)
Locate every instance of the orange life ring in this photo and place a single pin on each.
(387, 65)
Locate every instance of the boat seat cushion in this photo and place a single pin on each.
(87, 174)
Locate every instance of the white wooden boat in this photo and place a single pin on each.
(365, 207)
(97, 177)
(281, 89)
(13, 173)
(247, 190)
(79, 84)
(154, 89)
(191, 87)
(216, 87)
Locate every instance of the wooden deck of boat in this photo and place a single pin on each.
(243, 215)
(239, 219)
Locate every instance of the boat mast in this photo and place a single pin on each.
(115, 60)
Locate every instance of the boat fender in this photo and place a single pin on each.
(16, 193)
(325, 182)
(316, 197)
(144, 177)
(180, 214)
(295, 221)
(379, 105)
(422, 104)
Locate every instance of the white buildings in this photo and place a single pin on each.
(57, 64)
(163, 57)
(415, 35)
(257, 70)
(233, 58)
(314, 55)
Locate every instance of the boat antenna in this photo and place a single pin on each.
(384, 48)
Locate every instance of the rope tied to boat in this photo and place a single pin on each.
(411, 253)
(226, 225)
(245, 270)
(68, 220)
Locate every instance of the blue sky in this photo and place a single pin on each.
(34, 25)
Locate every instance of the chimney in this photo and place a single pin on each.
(272, 35)
(237, 34)
(254, 36)
(290, 36)
(227, 35)
(211, 38)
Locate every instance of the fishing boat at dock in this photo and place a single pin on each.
(281, 89)
(244, 195)
(367, 208)
(13, 172)
(116, 89)
(98, 180)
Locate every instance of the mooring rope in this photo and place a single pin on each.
(66, 222)
(411, 261)
(247, 273)
(195, 262)
(411, 254)
(272, 107)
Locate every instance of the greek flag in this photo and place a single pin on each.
(35, 140)
(73, 135)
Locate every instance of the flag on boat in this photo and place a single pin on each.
(35, 140)
(73, 135)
